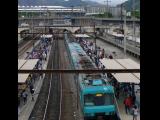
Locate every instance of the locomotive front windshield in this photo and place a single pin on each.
(98, 99)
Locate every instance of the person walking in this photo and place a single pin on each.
(135, 112)
(24, 95)
(134, 99)
(44, 56)
(32, 93)
(117, 90)
(31, 87)
(103, 68)
(110, 57)
(19, 101)
(126, 103)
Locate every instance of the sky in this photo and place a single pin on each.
(113, 2)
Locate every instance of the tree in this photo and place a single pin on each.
(104, 15)
(135, 13)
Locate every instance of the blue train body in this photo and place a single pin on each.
(96, 94)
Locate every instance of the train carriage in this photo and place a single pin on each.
(96, 94)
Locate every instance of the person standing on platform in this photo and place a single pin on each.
(44, 56)
(103, 68)
(32, 93)
(117, 90)
(19, 101)
(110, 57)
(134, 99)
(126, 103)
(31, 87)
(24, 95)
(135, 112)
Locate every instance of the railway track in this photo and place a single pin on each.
(68, 100)
(25, 45)
(48, 104)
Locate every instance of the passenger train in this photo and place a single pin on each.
(96, 95)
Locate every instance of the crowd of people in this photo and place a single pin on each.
(129, 100)
(94, 54)
(39, 52)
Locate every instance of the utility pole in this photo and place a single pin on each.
(121, 16)
(107, 9)
(95, 35)
(124, 33)
(81, 15)
(133, 17)
(72, 11)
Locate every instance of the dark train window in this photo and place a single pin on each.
(98, 99)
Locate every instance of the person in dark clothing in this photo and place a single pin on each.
(103, 67)
(34, 77)
(95, 59)
(24, 95)
(31, 87)
(103, 53)
(134, 99)
(18, 101)
(32, 93)
(117, 90)
(110, 57)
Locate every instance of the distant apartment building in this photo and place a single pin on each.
(96, 9)
(54, 11)
(115, 11)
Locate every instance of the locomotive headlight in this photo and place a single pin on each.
(98, 95)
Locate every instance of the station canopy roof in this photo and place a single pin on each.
(115, 34)
(25, 65)
(21, 29)
(123, 64)
(118, 35)
(81, 36)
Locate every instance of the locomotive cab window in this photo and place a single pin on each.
(98, 99)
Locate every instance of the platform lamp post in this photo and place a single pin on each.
(107, 9)
(77, 85)
(81, 11)
(121, 17)
(133, 17)
(95, 35)
(72, 10)
(134, 38)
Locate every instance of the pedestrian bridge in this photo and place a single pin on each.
(71, 28)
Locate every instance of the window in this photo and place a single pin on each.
(98, 99)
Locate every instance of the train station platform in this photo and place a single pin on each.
(121, 106)
(24, 110)
(131, 49)
(123, 78)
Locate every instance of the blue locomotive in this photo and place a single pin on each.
(95, 93)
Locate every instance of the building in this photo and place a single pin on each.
(96, 9)
(115, 11)
(54, 11)
(101, 9)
